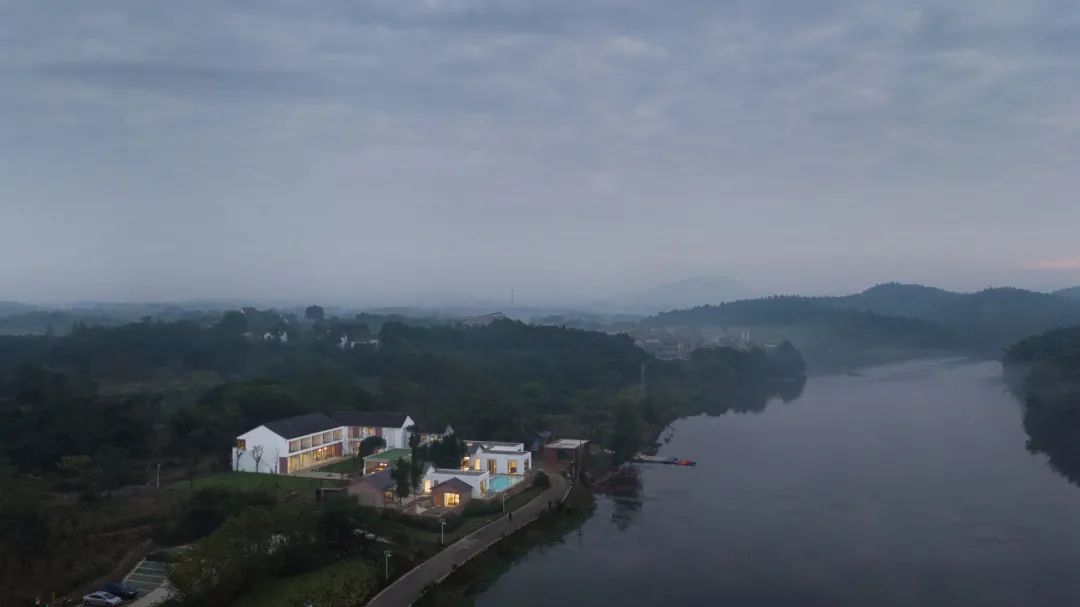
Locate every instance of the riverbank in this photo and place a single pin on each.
(414, 583)
(479, 573)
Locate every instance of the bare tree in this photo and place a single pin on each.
(238, 453)
(257, 455)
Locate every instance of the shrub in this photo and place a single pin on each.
(482, 507)
(541, 480)
(427, 523)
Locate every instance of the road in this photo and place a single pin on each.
(409, 587)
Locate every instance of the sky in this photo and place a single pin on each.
(356, 151)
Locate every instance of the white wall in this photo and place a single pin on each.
(502, 460)
(444, 474)
(274, 447)
(398, 438)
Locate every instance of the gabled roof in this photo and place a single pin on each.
(373, 419)
(455, 483)
(301, 425)
(380, 480)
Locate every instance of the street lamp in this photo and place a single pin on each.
(386, 559)
(157, 485)
(442, 531)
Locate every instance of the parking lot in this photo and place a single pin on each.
(147, 576)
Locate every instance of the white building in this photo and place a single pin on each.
(476, 479)
(288, 445)
(302, 442)
(358, 425)
(496, 457)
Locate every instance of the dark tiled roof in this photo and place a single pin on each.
(373, 419)
(309, 423)
(380, 480)
(455, 483)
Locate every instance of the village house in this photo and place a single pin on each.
(451, 494)
(288, 445)
(498, 457)
(566, 453)
(376, 489)
(477, 480)
(304, 441)
(392, 426)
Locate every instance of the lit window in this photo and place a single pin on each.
(451, 499)
(511, 466)
(337, 434)
(241, 444)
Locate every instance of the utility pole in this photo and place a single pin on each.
(157, 484)
(442, 531)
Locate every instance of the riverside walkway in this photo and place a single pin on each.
(409, 587)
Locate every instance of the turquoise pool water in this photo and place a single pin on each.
(502, 482)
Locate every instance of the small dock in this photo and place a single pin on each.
(641, 458)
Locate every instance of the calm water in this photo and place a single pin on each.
(908, 485)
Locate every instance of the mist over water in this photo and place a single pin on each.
(906, 485)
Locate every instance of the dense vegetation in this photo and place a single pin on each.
(1045, 370)
(86, 413)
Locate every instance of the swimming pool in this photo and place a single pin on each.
(502, 482)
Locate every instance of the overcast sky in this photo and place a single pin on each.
(370, 150)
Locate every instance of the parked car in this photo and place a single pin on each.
(102, 599)
(120, 589)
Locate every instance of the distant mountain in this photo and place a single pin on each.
(685, 293)
(831, 338)
(991, 319)
(1070, 293)
(984, 322)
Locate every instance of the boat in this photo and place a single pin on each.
(674, 461)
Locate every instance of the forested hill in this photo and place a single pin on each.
(1070, 293)
(157, 389)
(991, 319)
(1045, 371)
(986, 321)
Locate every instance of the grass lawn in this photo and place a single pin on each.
(346, 583)
(345, 466)
(250, 481)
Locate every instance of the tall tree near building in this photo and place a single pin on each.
(416, 466)
(257, 455)
(314, 313)
(402, 474)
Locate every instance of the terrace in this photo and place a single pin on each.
(385, 459)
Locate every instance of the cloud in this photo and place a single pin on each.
(177, 78)
(1061, 264)
(519, 141)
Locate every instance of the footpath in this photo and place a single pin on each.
(409, 587)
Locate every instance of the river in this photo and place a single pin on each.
(907, 484)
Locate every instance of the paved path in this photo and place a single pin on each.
(409, 587)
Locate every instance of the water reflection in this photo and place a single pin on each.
(627, 509)
(1054, 431)
(753, 398)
